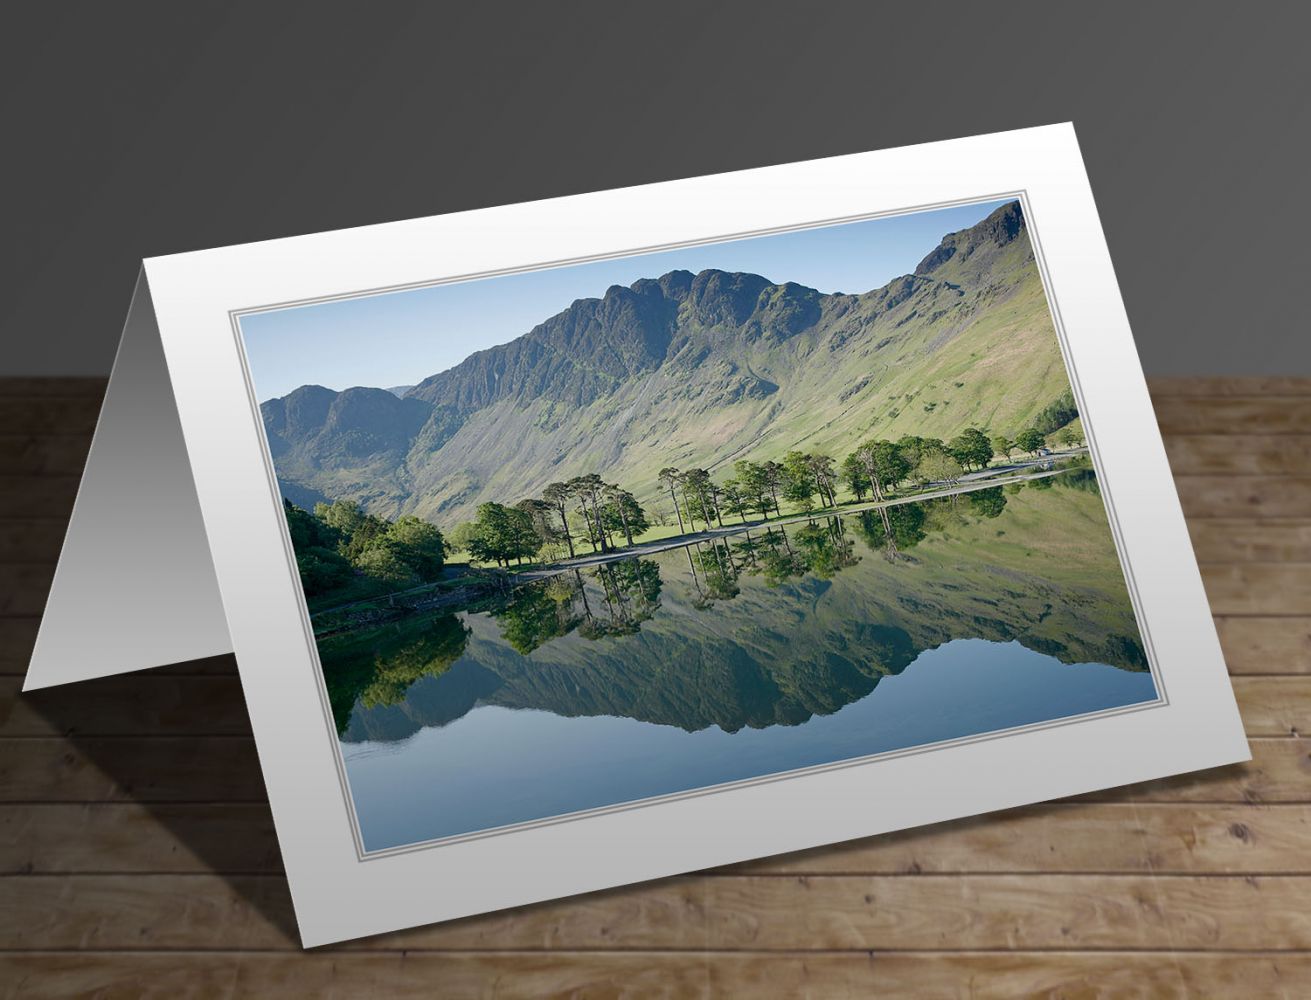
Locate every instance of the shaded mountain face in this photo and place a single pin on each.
(778, 654)
(688, 370)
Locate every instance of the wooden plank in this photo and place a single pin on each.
(254, 912)
(223, 838)
(31, 541)
(1266, 645)
(24, 588)
(1274, 706)
(1258, 588)
(1016, 973)
(168, 769)
(129, 705)
(31, 454)
(17, 637)
(1228, 385)
(1008, 911)
(226, 769)
(1261, 414)
(53, 385)
(1076, 838)
(73, 414)
(758, 913)
(1239, 454)
(38, 496)
(175, 976)
(510, 975)
(1244, 496)
(1234, 540)
(1052, 838)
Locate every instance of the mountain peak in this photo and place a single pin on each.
(994, 232)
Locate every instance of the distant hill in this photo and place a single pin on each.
(399, 390)
(692, 370)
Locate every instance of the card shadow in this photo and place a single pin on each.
(200, 782)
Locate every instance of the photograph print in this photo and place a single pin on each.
(589, 536)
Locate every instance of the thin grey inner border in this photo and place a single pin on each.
(1131, 586)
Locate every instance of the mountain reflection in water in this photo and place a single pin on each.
(749, 637)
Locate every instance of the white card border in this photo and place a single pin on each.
(336, 895)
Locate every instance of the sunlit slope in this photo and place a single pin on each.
(695, 370)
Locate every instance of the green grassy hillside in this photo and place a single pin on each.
(695, 371)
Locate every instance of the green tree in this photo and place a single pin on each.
(939, 467)
(461, 535)
(987, 503)
(558, 496)
(821, 468)
(698, 491)
(884, 464)
(503, 533)
(669, 478)
(1069, 437)
(418, 544)
(1030, 440)
(736, 499)
(855, 476)
(588, 489)
(384, 564)
(1002, 445)
(971, 447)
(755, 484)
(622, 512)
(773, 477)
(799, 484)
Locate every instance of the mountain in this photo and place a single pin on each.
(691, 370)
(778, 655)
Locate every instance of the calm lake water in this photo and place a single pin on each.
(755, 656)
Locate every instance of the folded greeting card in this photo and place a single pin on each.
(592, 540)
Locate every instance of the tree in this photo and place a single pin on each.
(1069, 436)
(503, 533)
(855, 476)
(821, 468)
(1030, 440)
(911, 447)
(418, 544)
(939, 467)
(755, 484)
(699, 490)
(736, 499)
(773, 473)
(987, 503)
(542, 514)
(669, 477)
(1002, 445)
(622, 512)
(383, 563)
(357, 530)
(884, 464)
(588, 489)
(799, 484)
(971, 447)
(461, 535)
(558, 495)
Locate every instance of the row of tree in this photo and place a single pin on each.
(502, 534)
(338, 543)
(810, 480)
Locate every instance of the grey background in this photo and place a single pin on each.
(137, 129)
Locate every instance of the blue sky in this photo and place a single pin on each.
(401, 338)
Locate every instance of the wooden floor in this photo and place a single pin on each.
(139, 857)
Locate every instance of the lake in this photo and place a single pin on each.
(759, 654)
